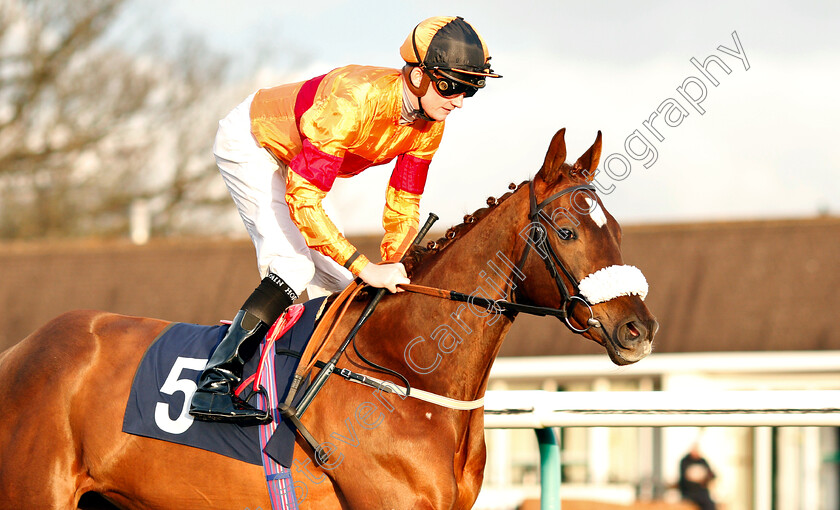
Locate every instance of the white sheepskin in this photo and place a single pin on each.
(612, 282)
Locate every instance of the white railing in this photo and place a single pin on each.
(542, 409)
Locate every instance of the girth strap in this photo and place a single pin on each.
(389, 387)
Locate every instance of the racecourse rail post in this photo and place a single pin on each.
(549, 469)
(328, 369)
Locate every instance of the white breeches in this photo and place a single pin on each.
(257, 183)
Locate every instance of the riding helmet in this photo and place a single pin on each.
(451, 46)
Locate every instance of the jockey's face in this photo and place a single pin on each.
(435, 105)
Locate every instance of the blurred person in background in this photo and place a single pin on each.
(695, 477)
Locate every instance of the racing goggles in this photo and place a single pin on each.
(449, 85)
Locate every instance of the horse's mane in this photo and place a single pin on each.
(418, 255)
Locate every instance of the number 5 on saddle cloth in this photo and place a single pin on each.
(166, 379)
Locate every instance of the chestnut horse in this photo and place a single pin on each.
(64, 388)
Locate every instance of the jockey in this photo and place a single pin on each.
(279, 153)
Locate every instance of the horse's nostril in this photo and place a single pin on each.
(631, 333)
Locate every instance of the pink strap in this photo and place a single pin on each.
(283, 324)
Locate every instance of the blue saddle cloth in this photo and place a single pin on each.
(167, 377)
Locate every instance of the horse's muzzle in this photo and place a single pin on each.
(632, 340)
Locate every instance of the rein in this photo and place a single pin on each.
(498, 305)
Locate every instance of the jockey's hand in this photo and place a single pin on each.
(386, 276)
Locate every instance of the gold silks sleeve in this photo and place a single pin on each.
(319, 232)
(401, 222)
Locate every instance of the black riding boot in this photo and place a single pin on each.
(214, 399)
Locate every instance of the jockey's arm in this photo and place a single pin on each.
(312, 173)
(304, 197)
(306, 211)
(401, 217)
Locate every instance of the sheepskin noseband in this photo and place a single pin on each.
(612, 282)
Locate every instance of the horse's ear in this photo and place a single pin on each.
(587, 163)
(554, 158)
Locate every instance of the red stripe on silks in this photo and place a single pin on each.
(410, 174)
(316, 166)
(305, 98)
(354, 164)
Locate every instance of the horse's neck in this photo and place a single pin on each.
(480, 262)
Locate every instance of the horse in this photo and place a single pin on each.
(64, 388)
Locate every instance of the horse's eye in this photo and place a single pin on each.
(566, 234)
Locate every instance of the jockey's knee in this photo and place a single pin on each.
(297, 277)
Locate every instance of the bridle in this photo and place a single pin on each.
(538, 237)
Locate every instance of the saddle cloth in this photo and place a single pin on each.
(166, 379)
